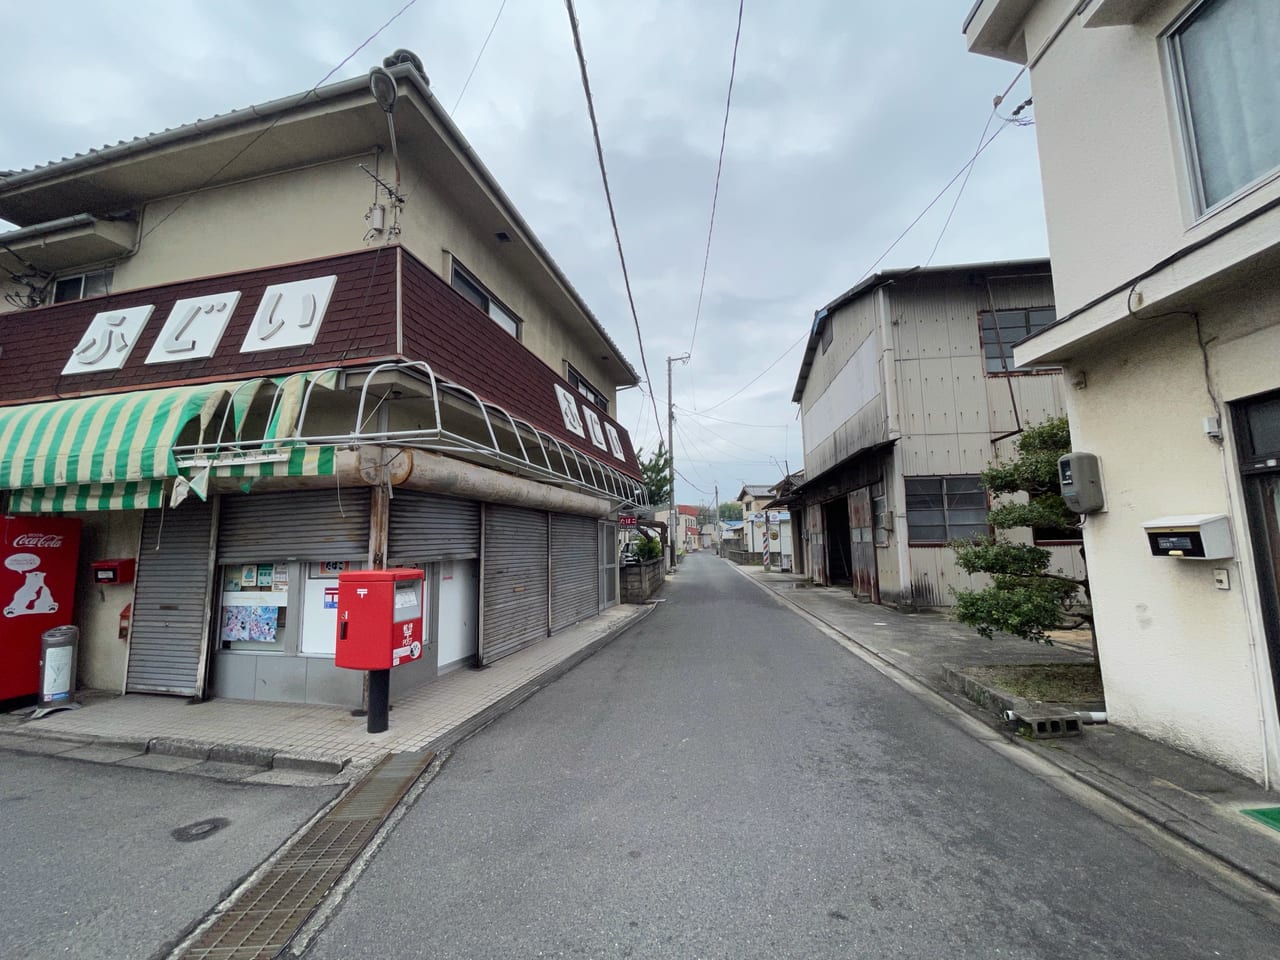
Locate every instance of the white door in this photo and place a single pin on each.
(457, 615)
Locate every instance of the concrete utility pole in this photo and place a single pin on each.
(673, 517)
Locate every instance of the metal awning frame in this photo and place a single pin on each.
(551, 460)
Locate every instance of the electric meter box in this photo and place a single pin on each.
(1080, 480)
(380, 618)
(1203, 536)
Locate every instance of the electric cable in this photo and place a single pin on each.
(735, 423)
(608, 195)
(715, 194)
(278, 117)
(803, 337)
(705, 493)
(466, 83)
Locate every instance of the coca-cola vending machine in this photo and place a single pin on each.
(38, 556)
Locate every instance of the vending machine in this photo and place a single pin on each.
(38, 559)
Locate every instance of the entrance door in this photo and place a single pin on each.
(863, 552)
(608, 554)
(835, 520)
(1258, 437)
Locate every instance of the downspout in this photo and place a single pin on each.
(889, 385)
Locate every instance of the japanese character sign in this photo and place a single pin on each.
(615, 442)
(593, 426)
(569, 411)
(289, 315)
(194, 328)
(110, 339)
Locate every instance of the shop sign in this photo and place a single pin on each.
(626, 520)
(569, 411)
(288, 316)
(615, 442)
(595, 429)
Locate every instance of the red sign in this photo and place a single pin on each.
(38, 559)
(626, 520)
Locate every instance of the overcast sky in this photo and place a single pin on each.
(848, 117)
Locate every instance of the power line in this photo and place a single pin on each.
(684, 438)
(608, 195)
(466, 83)
(959, 173)
(705, 493)
(715, 194)
(963, 183)
(278, 117)
(721, 438)
(735, 423)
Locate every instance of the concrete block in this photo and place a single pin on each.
(239, 753)
(309, 762)
(1047, 723)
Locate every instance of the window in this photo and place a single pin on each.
(1002, 330)
(942, 509)
(1227, 77)
(82, 285)
(255, 604)
(584, 387)
(1049, 536)
(827, 332)
(474, 290)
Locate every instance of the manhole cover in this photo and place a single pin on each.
(199, 830)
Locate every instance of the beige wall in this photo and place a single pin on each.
(1182, 661)
(103, 656)
(1116, 189)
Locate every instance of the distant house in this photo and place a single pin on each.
(908, 389)
(763, 526)
(685, 532)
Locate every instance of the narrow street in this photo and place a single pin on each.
(725, 781)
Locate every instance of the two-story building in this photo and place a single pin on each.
(1158, 125)
(307, 336)
(908, 389)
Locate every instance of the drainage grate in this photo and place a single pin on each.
(267, 915)
(1268, 815)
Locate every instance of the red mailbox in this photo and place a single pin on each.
(380, 617)
(114, 571)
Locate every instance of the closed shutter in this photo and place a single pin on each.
(515, 581)
(300, 524)
(427, 527)
(171, 602)
(575, 571)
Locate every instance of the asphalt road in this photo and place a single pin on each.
(724, 781)
(91, 868)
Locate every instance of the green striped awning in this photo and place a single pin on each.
(100, 440)
(303, 461)
(139, 495)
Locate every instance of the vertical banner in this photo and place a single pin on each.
(38, 561)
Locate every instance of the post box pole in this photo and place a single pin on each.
(379, 700)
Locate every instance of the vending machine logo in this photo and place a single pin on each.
(48, 541)
(33, 596)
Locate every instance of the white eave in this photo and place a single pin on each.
(66, 242)
(994, 29)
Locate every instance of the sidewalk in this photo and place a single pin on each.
(1193, 799)
(300, 742)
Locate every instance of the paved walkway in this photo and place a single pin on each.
(1193, 799)
(432, 716)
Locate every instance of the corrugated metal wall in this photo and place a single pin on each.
(425, 526)
(299, 524)
(575, 569)
(171, 601)
(514, 601)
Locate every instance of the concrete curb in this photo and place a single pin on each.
(1159, 815)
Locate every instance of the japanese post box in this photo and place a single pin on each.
(380, 618)
(114, 571)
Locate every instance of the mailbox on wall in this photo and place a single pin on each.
(380, 617)
(1202, 536)
(114, 571)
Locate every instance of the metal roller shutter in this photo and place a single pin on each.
(301, 524)
(515, 581)
(428, 527)
(575, 570)
(171, 602)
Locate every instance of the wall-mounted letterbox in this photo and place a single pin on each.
(1202, 536)
(1080, 480)
(380, 617)
(114, 571)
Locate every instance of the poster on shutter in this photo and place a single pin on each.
(38, 561)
